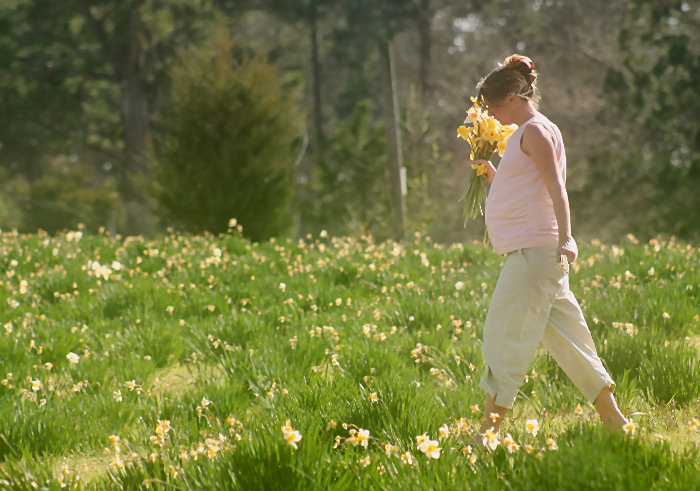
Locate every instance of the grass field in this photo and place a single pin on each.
(210, 362)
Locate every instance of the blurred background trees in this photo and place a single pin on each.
(226, 145)
(85, 86)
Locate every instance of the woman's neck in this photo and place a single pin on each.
(524, 113)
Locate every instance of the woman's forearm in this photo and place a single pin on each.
(560, 200)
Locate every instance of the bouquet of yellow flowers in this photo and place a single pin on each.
(485, 136)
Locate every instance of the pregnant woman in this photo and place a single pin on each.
(528, 220)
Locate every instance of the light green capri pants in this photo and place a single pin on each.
(532, 303)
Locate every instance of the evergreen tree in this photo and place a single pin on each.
(227, 145)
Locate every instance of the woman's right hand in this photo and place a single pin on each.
(490, 170)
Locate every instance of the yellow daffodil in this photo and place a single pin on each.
(510, 444)
(363, 437)
(430, 448)
(490, 439)
(163, 427)
(480, 169)
(444, 431)
(463, 133)
(390, 449)
(291, 436)
(532, 426)
(485, 135)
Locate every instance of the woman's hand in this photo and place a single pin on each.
(567, 247)
(490, 170)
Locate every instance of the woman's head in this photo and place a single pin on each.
(516, 75)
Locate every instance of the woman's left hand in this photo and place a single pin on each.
(567, 247)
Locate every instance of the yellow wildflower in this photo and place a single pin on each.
(510, 444)
(490, 439)
(390, 449)
(362, 437)
(421, 439)
(291, 435)
(431, 449)
(480, 169)
(163, 427)
(532, 426)
(444, 431)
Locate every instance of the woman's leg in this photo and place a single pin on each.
(515, 321)
(569, 340)
(493, 415)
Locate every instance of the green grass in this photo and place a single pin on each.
(226, 340)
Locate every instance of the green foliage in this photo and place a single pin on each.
(72, 72)
(68, 192)
(348, 192)
(656, 87)
(226, 147)
(10, 211)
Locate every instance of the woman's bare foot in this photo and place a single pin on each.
(607, 408)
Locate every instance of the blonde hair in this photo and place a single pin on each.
(516, 74)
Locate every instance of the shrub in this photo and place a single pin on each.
(349, 187)
(226, 145)
(69, 192)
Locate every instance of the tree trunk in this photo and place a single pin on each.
(319, 137)
(424, 32)
(135, 117)
(395, 169)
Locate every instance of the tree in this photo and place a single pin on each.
(656, 88)
(226, 145)
(88, 76)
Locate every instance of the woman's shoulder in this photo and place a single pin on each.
(542, 124)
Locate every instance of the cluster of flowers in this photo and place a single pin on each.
(485, 135)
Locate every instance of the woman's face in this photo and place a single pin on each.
(503, 110)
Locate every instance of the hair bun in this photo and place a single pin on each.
(524, 65)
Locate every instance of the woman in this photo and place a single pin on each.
(528, 220)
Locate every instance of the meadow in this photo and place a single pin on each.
(213, 362)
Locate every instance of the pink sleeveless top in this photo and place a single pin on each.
(519, 212)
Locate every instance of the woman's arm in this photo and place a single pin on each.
(536, 142)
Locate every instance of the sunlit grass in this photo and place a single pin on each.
(207, 361)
